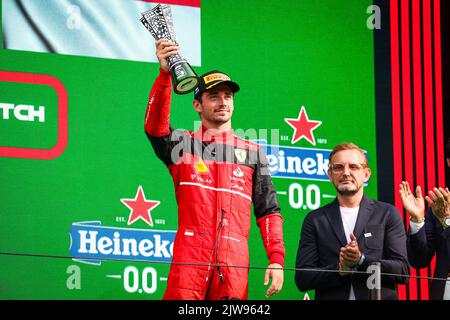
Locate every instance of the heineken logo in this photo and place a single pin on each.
(91, 242)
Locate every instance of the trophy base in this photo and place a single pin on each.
(186, 85)
(184, 78)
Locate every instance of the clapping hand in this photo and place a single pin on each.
(349, 255)
(439, 201)
(415, 205)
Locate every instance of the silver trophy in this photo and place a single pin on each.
(160, 24)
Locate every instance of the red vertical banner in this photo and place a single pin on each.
(406, 114)
(396, 112)
(417, 114)
(418, 118)
(438, 93)
(428, 84)
(438, 97)
(428, 90)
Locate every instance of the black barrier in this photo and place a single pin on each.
(373, 271)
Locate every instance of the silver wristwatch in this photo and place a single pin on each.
(446, 222)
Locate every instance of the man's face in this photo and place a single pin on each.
(216, 105)
(348, 172)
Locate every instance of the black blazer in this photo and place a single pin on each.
(381, 237)
(431, 239)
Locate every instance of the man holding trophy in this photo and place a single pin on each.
(217, 176)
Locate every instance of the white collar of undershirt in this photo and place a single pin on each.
(346, 210)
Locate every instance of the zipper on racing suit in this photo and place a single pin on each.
(219, 229)
(222, 213)
(215, 250)
(217, 245)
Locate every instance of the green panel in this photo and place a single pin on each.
(283, 55)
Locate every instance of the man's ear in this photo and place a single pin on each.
(197, 105)
(367, 175)
(329, 173)
(448, 162)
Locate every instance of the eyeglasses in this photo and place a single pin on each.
(353, 167)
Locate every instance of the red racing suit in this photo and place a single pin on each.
(216, 176)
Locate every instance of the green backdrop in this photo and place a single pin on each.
(284, 55)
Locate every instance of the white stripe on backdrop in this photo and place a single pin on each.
(97, 28)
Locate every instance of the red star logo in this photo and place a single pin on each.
(140, 207)
(303, 127)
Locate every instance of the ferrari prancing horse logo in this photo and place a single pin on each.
(241, 154)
